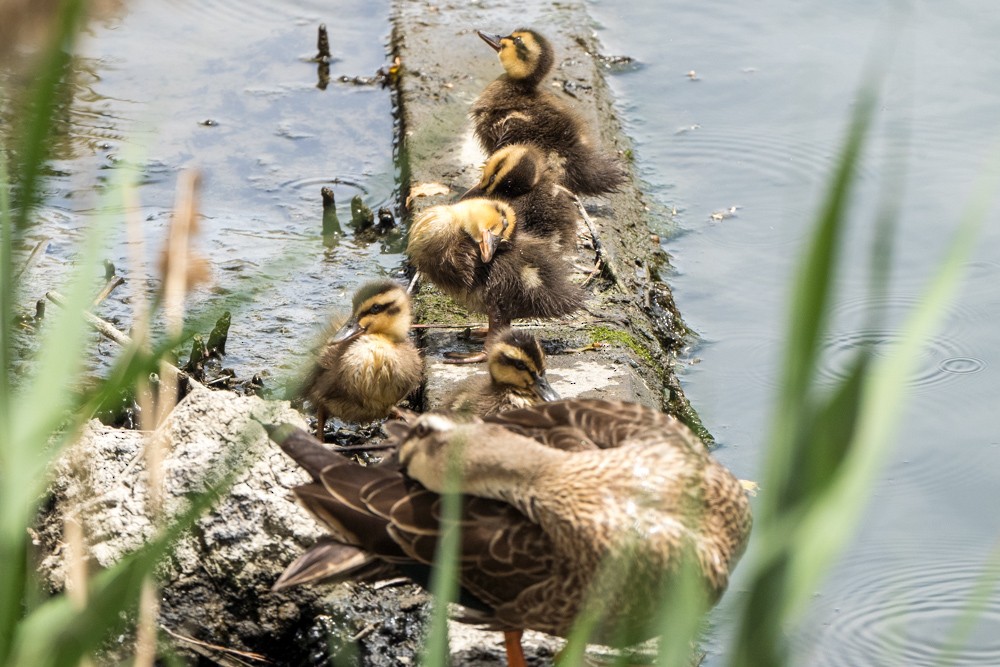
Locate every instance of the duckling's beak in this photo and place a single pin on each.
(488, 245)
(474, 191)
(492, 40)
(544, 389)
(351, 330)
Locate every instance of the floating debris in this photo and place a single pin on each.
(426, 190)
(724, 214)
(693, 76)
(384, 76)
(208, 122)
(386, 220)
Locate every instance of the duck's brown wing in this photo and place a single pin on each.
(377, 511)
(575, 424)
(502, 552)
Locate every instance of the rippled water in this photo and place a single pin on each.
(753, 131)
(227, 88)
(758, 128)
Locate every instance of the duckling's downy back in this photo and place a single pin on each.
(515, 109)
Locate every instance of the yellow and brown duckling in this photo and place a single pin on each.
(563, 502)
(476, 253)
(516, 378)
(520, 175)
(515, 109)
(369, 365)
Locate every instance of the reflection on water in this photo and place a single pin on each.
(761, 128)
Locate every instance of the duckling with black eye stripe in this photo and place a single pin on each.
(369, 365)
(515, 109)
(516, 378)
(520, 175)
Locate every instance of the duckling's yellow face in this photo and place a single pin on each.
(516, 360)
(511, 171)
(524, 54)
(488, 222)
(380, 309)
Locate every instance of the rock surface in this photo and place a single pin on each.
(215, 588)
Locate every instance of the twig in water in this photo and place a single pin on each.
(35, 253)
(322, 44)
(110, 287)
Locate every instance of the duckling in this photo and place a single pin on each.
(563, 502)
(514, 109)
(476, 252)
(517, 378)
(369, 364)
(520, 175)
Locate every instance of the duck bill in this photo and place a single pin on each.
(488, 245)
(351, 330)
(492, 40)
(545, 390)
(474, 192)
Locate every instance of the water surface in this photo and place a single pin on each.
(757, 126)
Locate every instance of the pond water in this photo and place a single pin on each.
(758, 127)
(754, 129)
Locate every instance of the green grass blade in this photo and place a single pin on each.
(444, 579)
(7, 300)
(826, 529)
(59, 635)
(34, 126)
(40, 115)
(810, 307)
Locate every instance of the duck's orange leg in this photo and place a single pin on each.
(515, 653)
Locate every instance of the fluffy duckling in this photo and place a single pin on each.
(516, 109)
(369, 365)
(517, 378)
(564, 502)
(476, 253)
(520, 175)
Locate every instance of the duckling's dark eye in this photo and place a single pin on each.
(492, 180)
(421, 430)
(520, 365)
(376, 309)
(518, 41)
